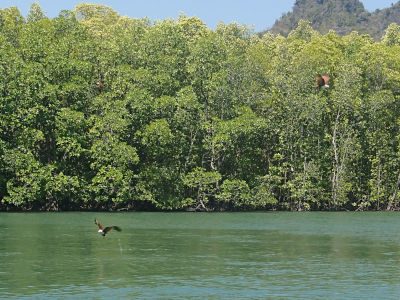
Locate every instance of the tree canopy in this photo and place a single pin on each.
(100, 111)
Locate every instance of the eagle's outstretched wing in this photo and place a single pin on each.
(108, 228)
(98, 224)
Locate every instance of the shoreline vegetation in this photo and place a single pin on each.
(97, 109)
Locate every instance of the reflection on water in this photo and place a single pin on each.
(197, 256)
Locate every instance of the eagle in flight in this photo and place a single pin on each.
(104, 230)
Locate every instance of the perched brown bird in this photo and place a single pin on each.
(104, 230)
(322, 81)
(100, 83)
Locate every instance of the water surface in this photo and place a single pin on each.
(201, 256)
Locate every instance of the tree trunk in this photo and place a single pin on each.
(335, 169)
(393, 199)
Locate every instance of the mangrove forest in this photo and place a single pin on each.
(103, 112)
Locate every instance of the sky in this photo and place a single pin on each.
(257, 14)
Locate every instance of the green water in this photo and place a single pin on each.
(201, 256)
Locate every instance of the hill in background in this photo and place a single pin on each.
(343, 16)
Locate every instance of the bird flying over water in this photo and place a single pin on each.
(104, 230)
(322, 81)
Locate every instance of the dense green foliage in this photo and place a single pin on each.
(344, 16)
(99, 111)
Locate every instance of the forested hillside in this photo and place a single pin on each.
(343, 16)
(99, 111)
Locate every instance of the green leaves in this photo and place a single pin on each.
(392, 35)
(27, 186)
(110, 152)
(236, 193)
(156, 136)
(35, 13)
(204, 184)
(110, 186)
